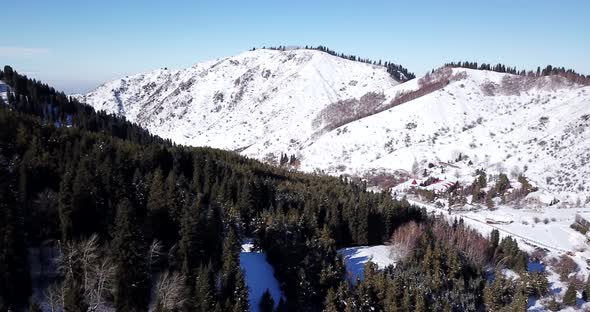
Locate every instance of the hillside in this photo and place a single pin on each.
(344, 117)
(260, 101)
(69, 175)
(500, 122)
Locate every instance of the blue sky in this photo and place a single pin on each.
(76, 45)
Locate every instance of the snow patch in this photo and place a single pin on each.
(259, 276)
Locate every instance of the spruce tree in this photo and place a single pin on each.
(65, 205)
(240, 295)
(569, 298)
(192, 239)
(204, 290)
(231, 264)
(159, 218)
(519, 299)
(330, 303)
(15, 284)
(266, 304)
(586, 291)
(130, 252)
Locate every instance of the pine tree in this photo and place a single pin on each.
(420, 303)
(266, 304)
(192, 250)
(204, 290)
(538, 284)
(569, 298)
(15, 284)
(131, 278)
(330, 303)
(240, 295)
(586, 291)
(520, 299)
(282, 306)
(494, 239)
(85, 220)
(65, 205)
(159, 218)
(231, 265)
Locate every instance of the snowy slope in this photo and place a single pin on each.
(503, 123)
(258, 102)
(333, 114)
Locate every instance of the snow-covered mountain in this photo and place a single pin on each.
(341, 116)
(258, 102)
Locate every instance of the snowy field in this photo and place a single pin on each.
(547, 228)
(356, 257)
(259, 276)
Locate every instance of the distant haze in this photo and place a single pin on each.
(78, 45)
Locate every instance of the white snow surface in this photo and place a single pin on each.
(356, 257)
(257, 102)
(547, 228)
(263, 103)
(259, 276)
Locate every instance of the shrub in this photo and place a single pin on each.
(564, 266)
(578, 227)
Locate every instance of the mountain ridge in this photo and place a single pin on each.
(343, 117)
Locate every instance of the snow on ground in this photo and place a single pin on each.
(264, 103)
(259, 276)
(356, 257)
(4, 89)
(547, 228)
(542, 132)
(258, 102)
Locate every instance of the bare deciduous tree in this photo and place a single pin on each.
(154, 253)
(87, 259)
(404, 239)
(170, 292)
(54, 297)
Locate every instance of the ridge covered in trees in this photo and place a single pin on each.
(397, 72)
(548, 70)
(129, 221)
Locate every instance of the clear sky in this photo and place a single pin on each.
(76, 45)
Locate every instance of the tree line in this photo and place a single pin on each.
(137, 222)
(548, 70)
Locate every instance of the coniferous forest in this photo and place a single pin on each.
(130, 222)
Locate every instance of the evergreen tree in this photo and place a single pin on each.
(205, 290)
(192, 239)
(586, 290)
(266, 304)
(520, 299)
(240, 294)
(231, 265)
(159, 217)
(65, 206)
(15, 284)
(331, 304)
(131, 278)
(569, 298)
